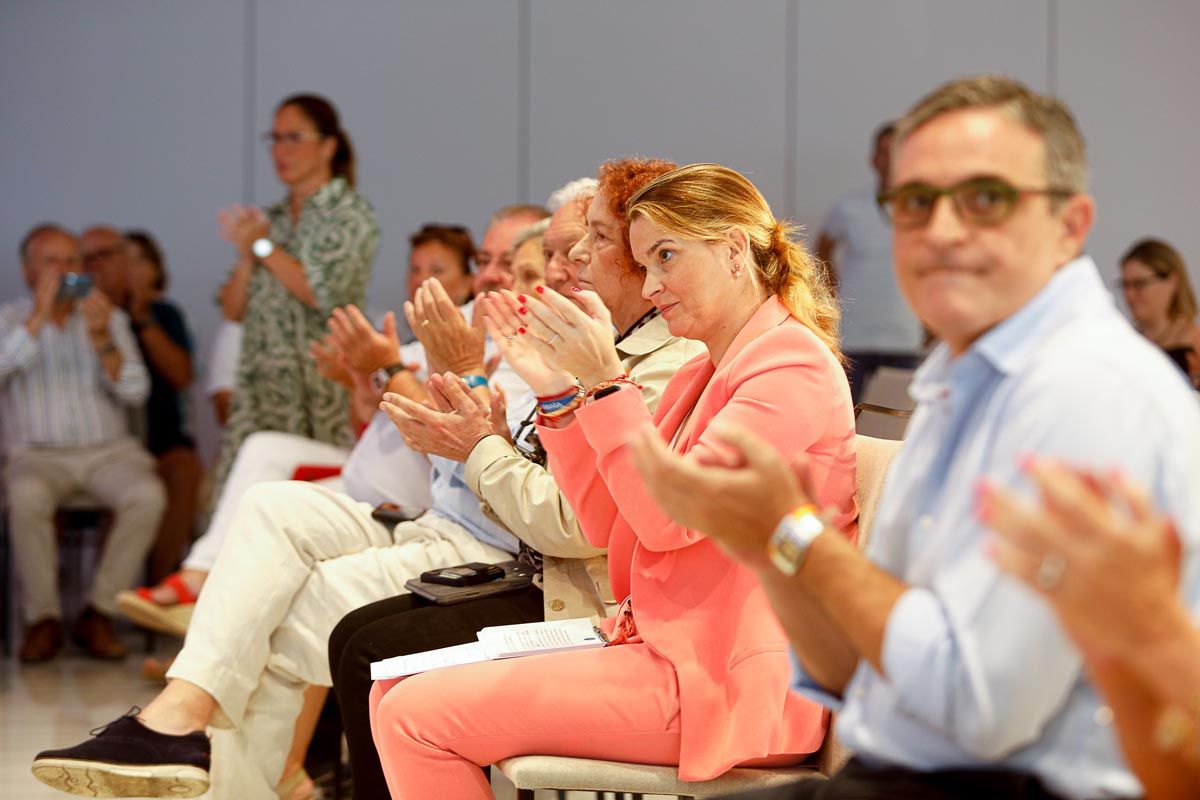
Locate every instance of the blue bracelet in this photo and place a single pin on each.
(474, 381)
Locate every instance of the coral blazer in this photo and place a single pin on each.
(693, 604)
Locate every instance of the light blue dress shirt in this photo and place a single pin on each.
(978, 670)
(453, 498)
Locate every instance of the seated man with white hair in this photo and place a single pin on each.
(298, 559)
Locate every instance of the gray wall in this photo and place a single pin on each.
(146, 112)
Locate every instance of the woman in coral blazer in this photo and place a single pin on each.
(697, 672)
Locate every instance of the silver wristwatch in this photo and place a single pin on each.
(381, 377)
(789, 544)
(262, 248)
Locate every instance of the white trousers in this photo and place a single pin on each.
(263, 456)
(121, 475)
(299, 558)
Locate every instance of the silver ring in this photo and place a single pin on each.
(552, 338)
(512, 337)
(1050, 572)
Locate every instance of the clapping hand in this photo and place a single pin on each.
(736, 495)
(506, 324)
(364, 348)
(330, 362)
(242, 225)
(576, 335)
(97, 310)
(456, 422)
(451, 343)
(1098, 552)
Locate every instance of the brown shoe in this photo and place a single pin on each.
(43, 640)
(94, 632)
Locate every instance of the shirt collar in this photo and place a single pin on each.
(1009, 346)
(323, 199)
(646, 339)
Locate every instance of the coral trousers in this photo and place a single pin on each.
(435, 730)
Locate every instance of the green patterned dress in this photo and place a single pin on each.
(278, 387)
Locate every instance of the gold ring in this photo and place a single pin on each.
(425, 323)
(1050, 572)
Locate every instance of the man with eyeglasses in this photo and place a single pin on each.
(69, 372)
(950, 678)
(878, 329)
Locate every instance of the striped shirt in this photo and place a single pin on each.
(53, 389)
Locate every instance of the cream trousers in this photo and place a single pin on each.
(263, 456)
(122, 476)
(299, 557)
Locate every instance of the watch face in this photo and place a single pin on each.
(379, 379)
(263, 247)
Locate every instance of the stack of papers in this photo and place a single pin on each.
(502, 641)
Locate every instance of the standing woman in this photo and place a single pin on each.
(306, 255)
(1154, 281)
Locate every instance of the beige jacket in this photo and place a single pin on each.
(523, 497)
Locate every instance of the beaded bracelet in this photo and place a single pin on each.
(554, 407)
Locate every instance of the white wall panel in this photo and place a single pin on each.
(685, 80)
(126, 112)
(1131, 73)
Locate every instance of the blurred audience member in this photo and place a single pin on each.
(567, 226)
(1119, 600)
(528, 260)
(445, 252)
(878, 328)
(69, 370)
(1154, 282)
(130, 270)
(305, 256)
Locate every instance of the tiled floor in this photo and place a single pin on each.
(56, 704)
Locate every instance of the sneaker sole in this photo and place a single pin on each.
(172, 620)
(99, 779)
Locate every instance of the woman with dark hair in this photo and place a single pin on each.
(1155, 285)
(304, 256)
(166, 345)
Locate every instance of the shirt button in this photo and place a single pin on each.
(557, 605)
(1103, 716)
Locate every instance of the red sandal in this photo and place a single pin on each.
(170, 618)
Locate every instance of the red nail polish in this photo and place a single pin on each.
(524, 310)
(520, 298)
(983, 501)
(520, 330)
(541, 290)
(576, 289)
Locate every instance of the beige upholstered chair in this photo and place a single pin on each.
(528, 773)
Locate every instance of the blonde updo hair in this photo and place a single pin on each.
(703, 202)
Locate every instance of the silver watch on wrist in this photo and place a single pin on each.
(262, 248)
(381, 377)
(789, 544)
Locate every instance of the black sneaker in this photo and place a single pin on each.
(127, 759)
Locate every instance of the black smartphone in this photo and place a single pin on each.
(391, 514)
(464, 574)
(75, 286)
